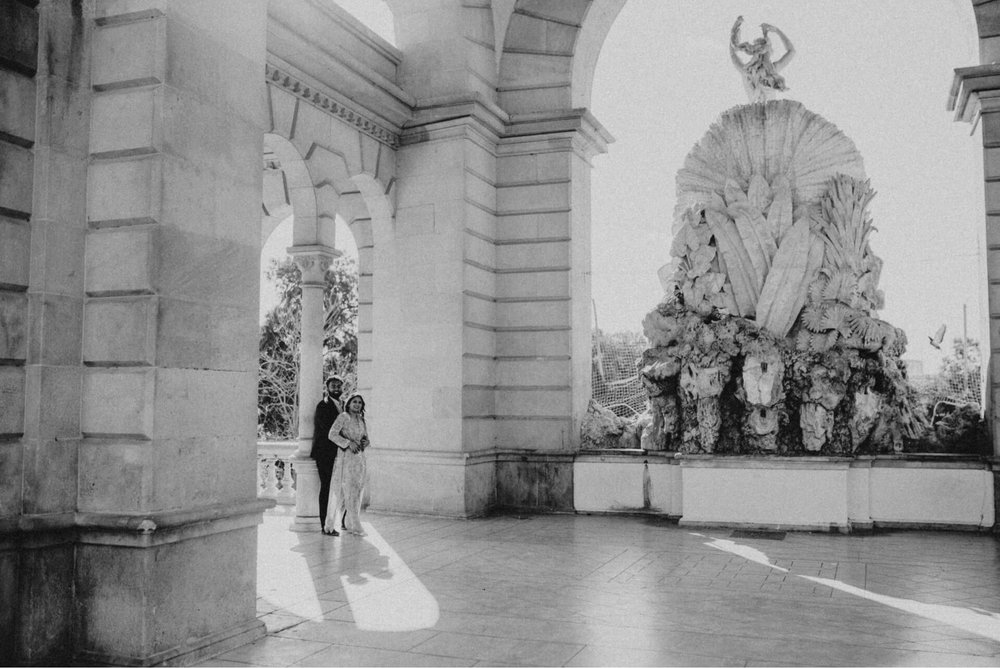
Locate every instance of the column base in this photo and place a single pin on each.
(306, 493)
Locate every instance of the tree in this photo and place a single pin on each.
(280, 335)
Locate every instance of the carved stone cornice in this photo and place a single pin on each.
(970, 88)
(325, 102)
(586, 134)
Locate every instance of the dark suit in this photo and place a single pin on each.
(324, 452)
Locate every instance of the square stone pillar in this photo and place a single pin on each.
(421, 459)
(483, 297)
(975, 98)
(129, 400)
(170, 330)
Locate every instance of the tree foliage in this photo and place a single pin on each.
(280, 336)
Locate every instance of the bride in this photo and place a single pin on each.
(350, 433)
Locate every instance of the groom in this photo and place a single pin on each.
(323, 450)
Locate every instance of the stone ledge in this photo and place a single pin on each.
(131, 529)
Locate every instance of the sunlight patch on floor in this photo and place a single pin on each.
(389, 597)
(975, 620)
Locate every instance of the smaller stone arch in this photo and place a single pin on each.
(287, 185)
(368, 213)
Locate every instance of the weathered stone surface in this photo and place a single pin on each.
(11, 455)
(198, 335)
(120, 260)
(204, 268)
(124, 191)
(56, 258)
(534, 433)
(15, 245)
(17, 114)
(9, 584)
(203, 470)
(19, 37)
(13, 325)
(52, 404)
(115, 476)
(16, 168)
(45, 605)
(125, 122)
(118, 402)
(120, 330)
(137, 603)
(64, 114)
(62, 178)
(130, 53)
(535, 484)
(55, 329)
(50, 476)
(189, 405)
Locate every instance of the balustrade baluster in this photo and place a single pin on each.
(285, 494)
(261, 474)
(271, 478)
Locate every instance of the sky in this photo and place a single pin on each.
(880, 71)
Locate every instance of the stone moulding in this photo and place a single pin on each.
(361, 122)
(140, 529)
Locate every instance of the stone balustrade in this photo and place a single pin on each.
(276, 475)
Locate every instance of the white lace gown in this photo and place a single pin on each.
(349, 471)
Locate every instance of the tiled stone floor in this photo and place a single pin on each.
(582, 591)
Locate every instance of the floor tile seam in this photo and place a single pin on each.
(302, 658)
(464, 554)
(443, 566)
(820, 646)
(748, 634)
(495, 637)
(398, 651)
(921, 647)
(340, 641)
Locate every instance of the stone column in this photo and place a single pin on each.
(313, 261)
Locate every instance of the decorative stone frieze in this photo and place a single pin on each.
(335, 108)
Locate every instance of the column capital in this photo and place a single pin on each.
(313, 261)
(974, 90)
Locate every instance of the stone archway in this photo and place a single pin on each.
(340, 164)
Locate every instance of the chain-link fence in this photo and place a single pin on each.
(615, 377)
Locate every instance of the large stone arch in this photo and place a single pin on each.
(975, 98)
(549, 51)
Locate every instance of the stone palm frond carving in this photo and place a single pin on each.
(843, 297)
(782, 142)
(754, 176)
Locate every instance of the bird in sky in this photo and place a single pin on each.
(938, 337)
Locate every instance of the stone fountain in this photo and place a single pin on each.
(768, 340)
